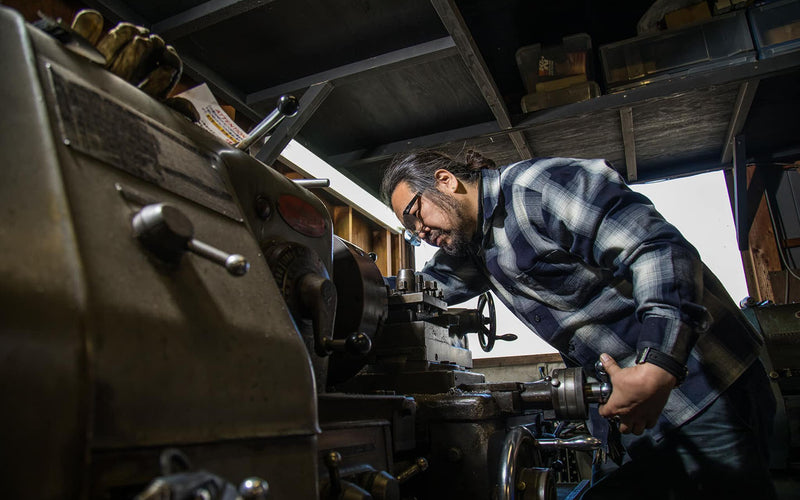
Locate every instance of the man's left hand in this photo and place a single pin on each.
(638, 396)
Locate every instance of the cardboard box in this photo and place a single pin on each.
(688, 15)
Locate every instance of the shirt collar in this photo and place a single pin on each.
(490, 196)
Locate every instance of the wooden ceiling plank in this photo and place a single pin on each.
(385, 151)
(417, 54)
(202, 16)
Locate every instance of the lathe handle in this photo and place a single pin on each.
(168, 233)
(318, 294)
(287, 106)
(578, 443)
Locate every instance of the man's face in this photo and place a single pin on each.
(440, 220)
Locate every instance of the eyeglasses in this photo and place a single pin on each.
(410, 221)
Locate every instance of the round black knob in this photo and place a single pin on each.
(288, 105)
(358, 344)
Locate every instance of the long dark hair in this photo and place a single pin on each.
(417, 169)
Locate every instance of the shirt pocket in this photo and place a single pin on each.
(561, 280)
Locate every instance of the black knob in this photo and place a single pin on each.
(288, 105)
(358, 344)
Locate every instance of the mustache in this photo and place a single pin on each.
(435, 233)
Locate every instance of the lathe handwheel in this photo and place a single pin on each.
(488, 331)
(520, 473)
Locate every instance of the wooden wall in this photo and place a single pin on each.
(767, 279)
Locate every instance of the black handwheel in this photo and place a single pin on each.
(488, 332)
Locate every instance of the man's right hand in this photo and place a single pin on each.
(639, 395)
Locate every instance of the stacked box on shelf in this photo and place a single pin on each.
(724, 40)
(776, 27)
(548, 99)
(557, 74)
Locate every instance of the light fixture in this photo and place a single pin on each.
(310, 165)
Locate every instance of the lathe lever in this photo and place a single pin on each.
(287, 106)
(356, 344)
(318, 295)
(578, 443)
(168, 233)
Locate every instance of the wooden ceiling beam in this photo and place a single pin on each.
(454, 23)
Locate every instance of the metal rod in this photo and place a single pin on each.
(312, 183)
(287, 106)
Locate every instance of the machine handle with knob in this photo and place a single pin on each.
(356, 344)
(578, 443)
(168, 233)
(287, 105)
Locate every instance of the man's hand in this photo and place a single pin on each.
(640, 393)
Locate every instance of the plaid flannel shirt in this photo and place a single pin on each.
(591, 267)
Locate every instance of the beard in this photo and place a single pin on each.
(462, 232)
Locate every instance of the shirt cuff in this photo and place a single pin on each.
(668, 335)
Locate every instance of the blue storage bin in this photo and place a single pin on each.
(776, 27)
(721, 41)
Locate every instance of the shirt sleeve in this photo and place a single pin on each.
(586, 208)
(459, 278)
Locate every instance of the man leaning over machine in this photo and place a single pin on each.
(593, 269)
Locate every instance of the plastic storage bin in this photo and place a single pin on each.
(575, 93)
(722, 41)
(546, 68)
(776, 27)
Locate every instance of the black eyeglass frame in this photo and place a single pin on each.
(410, 220)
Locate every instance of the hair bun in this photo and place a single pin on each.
(476, 161)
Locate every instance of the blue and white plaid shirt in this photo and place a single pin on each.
(591, 267)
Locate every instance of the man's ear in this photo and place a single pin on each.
(445, 180)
